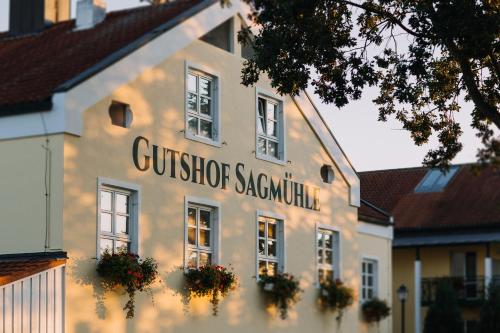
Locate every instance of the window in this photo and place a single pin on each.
(436, 180)
(202, 233)
(117, 218)
(328, 254)
(202, 117)
(270, 130)
(120, 114)
(270, 249)
(369, 271)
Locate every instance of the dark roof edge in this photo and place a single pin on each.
(475, 228)
(34, 256)
(423, 167)
(26, 107)
(372, 206)
(141, 41)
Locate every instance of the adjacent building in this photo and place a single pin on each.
(131, 129)
(447, 227)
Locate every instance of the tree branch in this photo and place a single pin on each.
(390, 16)
(486, 109)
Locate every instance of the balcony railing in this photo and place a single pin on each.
(469, 290)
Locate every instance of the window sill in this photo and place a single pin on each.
(214, 143)
(270, 159)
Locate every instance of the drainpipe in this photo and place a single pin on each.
(488, 269)
(418, 293)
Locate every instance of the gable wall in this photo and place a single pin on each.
(157, 100)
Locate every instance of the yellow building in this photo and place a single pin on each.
(446, 229)
(132, 130)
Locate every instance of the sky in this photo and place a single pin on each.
(369, 144)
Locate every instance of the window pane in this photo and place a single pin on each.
(320, 239)
(328, 241)
(205, 128)
(191, 260)
(370, 268)
(320, 256)
(329, 274)
(273, 148)
(328, 257)
(192, 103)
(192, 217)
(193, 125)
(321, 275)
(204, 238)
(261, 146)
(370, 281)
(262, 268)
(262, 229)
(106, 244)
(205, 106)
(261, 126)
(192, 82)
(106, 222)
(271, 230)
(272, 128)
(262, 247)
(192, 236)
(121, 224)
(271, 248)
(272, 268)
(121, 204)
(205, 259)
(205, 87)
(205, 218)
(121, 246)
(272, 111)
(105, 200)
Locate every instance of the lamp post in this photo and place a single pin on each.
(402, 296)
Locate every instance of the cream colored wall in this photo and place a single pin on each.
(435, 262)
(157, 99)
(22, 194)
(374, 247)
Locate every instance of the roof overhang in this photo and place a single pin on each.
(439, 239)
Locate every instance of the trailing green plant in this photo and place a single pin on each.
(281, 290)
(129, 271)
(375, 310)
(444, 315)
(210, 280)
(335, 296)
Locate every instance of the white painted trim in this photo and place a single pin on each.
(375, 259)
(217, 120)
(216, 230)
(281, 229)
(371, 229)
(134, 215)
(313, 117)
(281, 128)
(417, 307)
(333, 228)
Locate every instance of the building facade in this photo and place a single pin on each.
(139, 135)
(446, 230)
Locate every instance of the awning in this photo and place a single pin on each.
(442, 240)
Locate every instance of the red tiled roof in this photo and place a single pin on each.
(13, 268)
(367, 212)
(468, 201)
(33, 66)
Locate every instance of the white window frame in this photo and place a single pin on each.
(376, 277)
(215, 234)
(337, 253)
(216, 104)
(280, 239)
(134, 211)
(261, 93)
